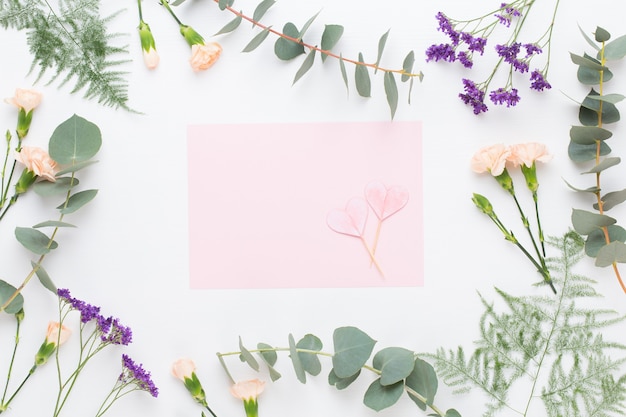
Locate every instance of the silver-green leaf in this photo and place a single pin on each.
(257, 40)
(306, 65)
(6, 292)
(74, 141)
(261, 9)
(362, 78)
(391, 91)
(378, 396)
(394, 364)
(585, 222)
(330, 37)
(353, 348)
(230, 26)
(34, 240)
(611, 253)
(43, 277)
(295, 360)
(381, 47)
(76, 201)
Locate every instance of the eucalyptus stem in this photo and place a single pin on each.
(3, 405)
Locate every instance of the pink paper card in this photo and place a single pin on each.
(311, 205)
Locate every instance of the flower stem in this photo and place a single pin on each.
(166, 4)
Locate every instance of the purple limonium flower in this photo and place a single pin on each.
(538, 82)
(474, 44)
(501, 96)
(441, 52)
(447, 27)
(473, 96)
(509, 53)
(532, 49)
(118, 334)
(133, 373)
(509, 13)
(465, 59)
(87, 311)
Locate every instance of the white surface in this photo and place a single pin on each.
(129, 254)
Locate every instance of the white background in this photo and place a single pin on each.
(129, 254)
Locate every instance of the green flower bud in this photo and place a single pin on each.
(506, 181)
(25, 181)
(483, 204)
(191, 36)
(147, 40)
(530, 174)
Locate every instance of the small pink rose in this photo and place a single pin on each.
(25, 99)
(247, 390)
(528, 153)
(183, 368)
(38, 161)
(151, 58)
(490, 159)
(57, 333)
(204, 56)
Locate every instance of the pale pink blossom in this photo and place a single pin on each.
(247, 390)
(38, 161)
(151, 58)
(490, 159)
(183, 368)
(57, 333)
(203, 56)
(25, 99)
(528, 153)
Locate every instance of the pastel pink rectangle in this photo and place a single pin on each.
(260, 196)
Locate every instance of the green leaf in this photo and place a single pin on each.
(34, 240)
(60, 186)
(583, 153)
(588, 39)
(588, 135)
(407, 66)
(257, 40)
(230, 26)
(6, 291)
(261, 9)
(75, 167)
(44, 278)
(616, 49)
(341, 383)
(591, 190)
(587, 62)
(613, 252)
(362, 78)
(423, 380)
(247, 357)
(52, 223)
(589, 76)
(306, 26)
(352, 349)
(77, 200)
(330, 37)
(381, 47)
(309, 361)
(452, 413)
(75, 140)
(602, 35)
(585, 222)
(306, 65)
(391, 90)
(287, 49)
(604, 164)
(394, 363)
(588, 113)
(270, 357)
(295, 360)
(608, 98)
(612, 199)
(596, 239)
(378, 396)
(225, 3)
(344, 74)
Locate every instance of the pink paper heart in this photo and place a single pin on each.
(385, 201)
(350, 221)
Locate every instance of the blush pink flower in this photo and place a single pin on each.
(527, 153)
(151, 58)
(204, 56)
(247, 390)
(57, 333)
(490, 159)
(183, 368)
(38, 161)
(25, 99)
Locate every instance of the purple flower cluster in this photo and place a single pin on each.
(133, 373)
(110, 329)
(509, 13)
(509, 53)
(473, 96)
(501, 96)
(538, 82)
(447, 51)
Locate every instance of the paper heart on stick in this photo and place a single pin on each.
(385, 201)
(351, 220)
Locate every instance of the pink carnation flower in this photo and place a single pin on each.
(527, 153)
(490, 159)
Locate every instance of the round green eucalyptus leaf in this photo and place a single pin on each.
(34, 240)
(602, 35)
(452, 413)
(616, 49)
(395, 364)
(588, 135)
(423, 380)
(6, 291)
(378, 396)
(295, 360)
(588, 113)
(75, 140)
(611, 253)
(330, 37)
(612, 199)
(60, 186)
(286, 49)
(591, 76)
(596, 239)
(268, 353)
(77, 200)
(584, 153)
(341, 383)
(353, 348)
(310, 362)
(585, 222)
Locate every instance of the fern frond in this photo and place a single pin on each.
(19, 14)
(72, 45)
(545, 344)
